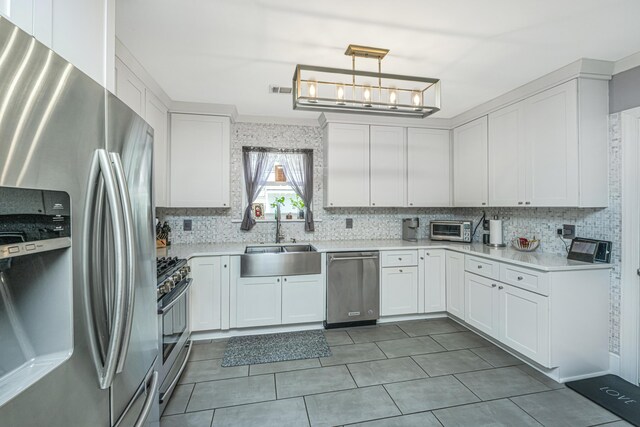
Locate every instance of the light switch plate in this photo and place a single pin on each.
(349, 222)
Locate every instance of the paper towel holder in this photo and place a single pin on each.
(497, 241)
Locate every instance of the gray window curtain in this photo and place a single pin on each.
(257, 166)
(298, 168)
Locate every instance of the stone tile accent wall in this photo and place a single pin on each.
(215, 225)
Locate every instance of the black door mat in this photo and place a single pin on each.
(255, 349)
(612, 393)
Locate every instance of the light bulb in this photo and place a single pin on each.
(313, 91)
(340, 94)
(393, 98)
(416, 100)
(366, 95)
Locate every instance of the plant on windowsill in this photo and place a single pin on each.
(277, 203)
(298, 203)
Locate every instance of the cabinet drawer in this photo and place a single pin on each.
(399, 258)
(482, 267)
(525, 278)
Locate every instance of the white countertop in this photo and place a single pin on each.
(536, 260)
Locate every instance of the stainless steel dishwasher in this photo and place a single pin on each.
(353, 288)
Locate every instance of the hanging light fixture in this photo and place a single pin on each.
(342, 90)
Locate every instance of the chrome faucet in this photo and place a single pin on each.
(279, 235)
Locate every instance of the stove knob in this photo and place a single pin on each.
(184, 271)
(167, 285)
(176, 278)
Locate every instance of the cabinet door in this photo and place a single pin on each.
(524, 323)
(200, 159)
(399, 291)
(434, 281)
(455, 283)
(551, 135)
(130, 88)
(506, 157)
(470, 163)
(258, 301)
(481, 303)
(205, 293)
(302, 299)
(388, 166)
(428, 167)
(346, 167)
(156, 115)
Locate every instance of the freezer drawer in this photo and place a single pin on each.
(353, 288)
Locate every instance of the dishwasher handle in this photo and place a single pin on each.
(350, 258)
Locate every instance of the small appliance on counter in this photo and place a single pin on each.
(410, 229)
(453, 231)
(495, 239)
(590, 250)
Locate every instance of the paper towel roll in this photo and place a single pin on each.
(495, 232)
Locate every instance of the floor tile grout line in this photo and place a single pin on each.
(524, 410)
(306, 409)
(392, 399)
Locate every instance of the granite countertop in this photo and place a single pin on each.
(536, 260)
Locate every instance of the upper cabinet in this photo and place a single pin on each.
(82, 32)
(470, 164)
(200, 161)
(388, 166)
(551, 149)
(346, 167)
(130, 89)
(428, 168)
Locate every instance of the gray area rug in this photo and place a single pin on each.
(256, 349)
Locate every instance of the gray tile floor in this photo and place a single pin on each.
(417, 373)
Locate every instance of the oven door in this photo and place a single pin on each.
(173, 329)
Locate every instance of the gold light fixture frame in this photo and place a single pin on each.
(315, 103)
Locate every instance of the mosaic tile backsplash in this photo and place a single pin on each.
(223, 225)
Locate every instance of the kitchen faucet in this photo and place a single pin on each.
(279, 235)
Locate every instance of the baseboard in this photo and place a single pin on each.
(406, 317)
(614, 364)
(209, 335)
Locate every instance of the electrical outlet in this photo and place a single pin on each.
(485, 225)
(349, 222)
(186, 225)
(568, 231)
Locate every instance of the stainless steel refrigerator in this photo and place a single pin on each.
(78, 323)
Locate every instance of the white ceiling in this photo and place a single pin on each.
(229, 51)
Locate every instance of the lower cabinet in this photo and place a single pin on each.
(258, 301)
(277, 300)
(516, 317)
(398, 291)
(455, 283)
(210, 275)
(434, 281)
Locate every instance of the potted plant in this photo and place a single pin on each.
(297, 202)
(277, 203)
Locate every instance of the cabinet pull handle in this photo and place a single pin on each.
(277, 280)
(500, 287)
(520, 277)
(519, 203)
(428, 254)
(373, 204)
(399, 259)
(493, 285)
(479, 266)
(400, 271)
(527, 203)
(285, 279)
(483, 203)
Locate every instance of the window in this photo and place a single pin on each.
(274, 189)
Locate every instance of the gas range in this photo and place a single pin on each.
(170, 272)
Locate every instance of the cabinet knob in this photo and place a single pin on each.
(224, 204)
(225, 266)
(399, 259)
(277, 280)
(410, 204)
(400, 270)
(331, 204)
(493, 285)
(373, 204)
(479, 266)
(527, 203)
(500, 287)
(422, 257)
(519, 203)
(285, 279)
(520, 277)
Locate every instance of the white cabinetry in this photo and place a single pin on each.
(258, 301)
(210, 276)
(398, 291)
(388, 166)
(82, 32)
(481, 309)
(432, 275)
(156, 115)
(455, 283)
(200, 161)
(130, 89)
(428, 167)
(346, 168)
(302, 299)
(470, 163)
(551, 149)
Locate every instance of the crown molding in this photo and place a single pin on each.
(627, 63)
(429, 122)
(226, 110)
(276, 120)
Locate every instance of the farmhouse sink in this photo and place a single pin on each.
(288, 260)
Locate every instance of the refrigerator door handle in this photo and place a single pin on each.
(101, 166)
(149, 401)
(131, 256)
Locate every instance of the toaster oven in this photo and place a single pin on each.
(453, 231)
